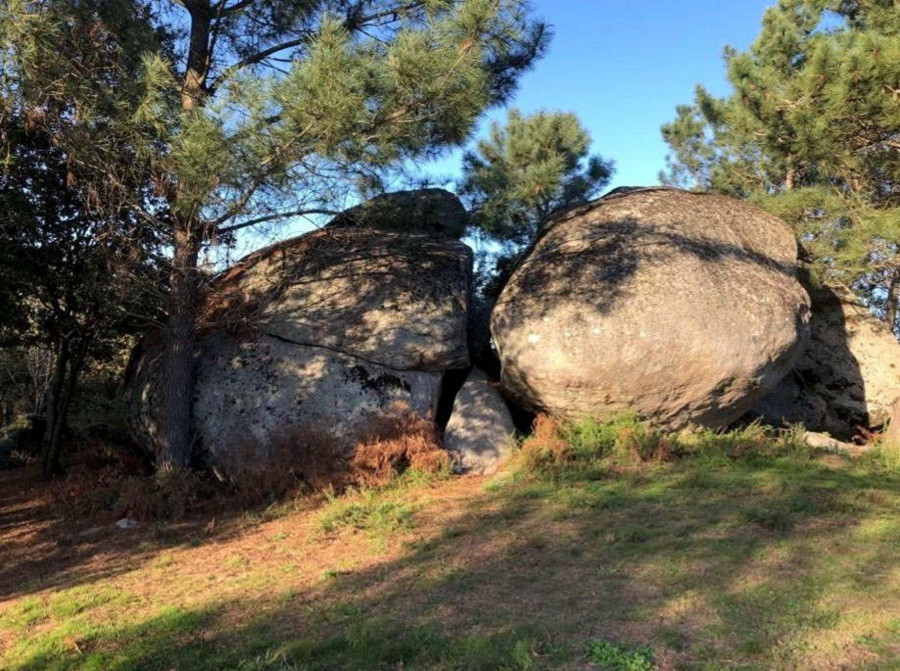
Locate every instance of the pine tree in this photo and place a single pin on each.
(522, 173)
(812, 132)
(249, 111)
(529, 168)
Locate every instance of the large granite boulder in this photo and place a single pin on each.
(434, 212)
(847, 377)
(479, 433)
(682, 307)
(397, 300)
(323, 332)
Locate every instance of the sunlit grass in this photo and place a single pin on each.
(742, 550)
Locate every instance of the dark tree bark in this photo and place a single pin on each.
(52, 451)
(173, 449)
(173, 440)
(54, 399)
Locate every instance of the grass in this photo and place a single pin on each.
(616, 658)
(366, 510)
(615, 549)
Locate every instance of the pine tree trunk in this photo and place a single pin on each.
(173, 449)
(790, 175)
(54, 401)
(173, 439)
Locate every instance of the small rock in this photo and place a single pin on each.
(127, 523)
(823, 441)
(479, 432)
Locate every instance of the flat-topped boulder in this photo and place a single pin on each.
(435, 212)
(322, 332)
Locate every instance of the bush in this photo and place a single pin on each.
(545, 447)
(398, 441)
(86, 492)
(623, 439)
(297, 461)
(556, 446)
(753, 441)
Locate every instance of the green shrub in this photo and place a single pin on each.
(611, 657)
(885, 457)
(366, 510)
(561, 449)
(752, 441)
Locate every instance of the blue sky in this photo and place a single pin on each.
(622, 66)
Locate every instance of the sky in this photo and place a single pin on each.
(622, 66)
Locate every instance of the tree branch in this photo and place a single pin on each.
(353, 24)
(272, 217)
(253, 59)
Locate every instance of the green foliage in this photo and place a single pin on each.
(523, 172)
(529, 168)
(366, 510)
(612, 657)
(247, 113)
(623, 437)
(72, 294)
(369, 84)
(810, 131)
(589, 446)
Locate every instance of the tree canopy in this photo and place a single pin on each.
(812, 132)
(243, 112)
(527, 169)
(70, 288)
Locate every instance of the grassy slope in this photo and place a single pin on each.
(711, 563)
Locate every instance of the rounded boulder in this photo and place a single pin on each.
(678, 306)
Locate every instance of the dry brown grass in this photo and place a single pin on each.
(545, 446)
(398, 441)
(87, 493)
(294, 462)
(639, 446)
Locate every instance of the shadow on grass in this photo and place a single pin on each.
(40, 549)
(768, 565)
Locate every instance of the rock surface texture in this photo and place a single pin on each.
(847, 377)
(682, 307)
(320, 332)
(435, 212)
(480, 429)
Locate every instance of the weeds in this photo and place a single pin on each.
(400, 440)
(299, 460)
(625, 442)
(365, 510)
(612, 657)
(271, 661)
(86, 492)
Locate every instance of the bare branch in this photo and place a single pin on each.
(273, 217)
